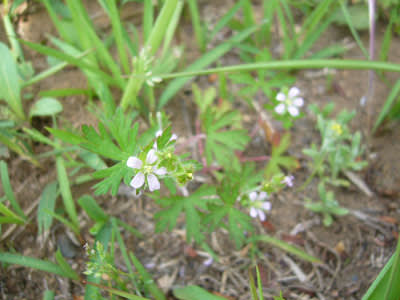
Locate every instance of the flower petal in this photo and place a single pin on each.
(253, 196)
(153, 182)
(266, 205)
(174, 137)
(151, 157)
(298, 101)
(253, 212)
(137, 181)
(262, 196)
(134, 162)
(161, 171)
(158, 133)
(261, 215)
(280, 109)
(293, 92)
(293, 110)
(281, 96)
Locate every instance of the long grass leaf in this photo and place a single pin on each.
(286, 247)
(10, 88)
(67, 269)
(193, 292)
(71, 60)
(148, 18)
(149, 284)
(393, 287)
(5, 181)
(47, 202)
(31, 262)
(388, 104)
(352, 28)
(65, 190)
(204, 61)
(196, 23)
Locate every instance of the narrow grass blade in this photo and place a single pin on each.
(194, 292)
(63, 220)
(124, 253)
(66, 92)
(148, 18)
(10, 140)
(72, 60)
(70, 273)
(5, 181)
(94, 211)
(352, 29)
(169, 34)
(378, 288)
(253, 288)
(31, 262)
(196, 23)
(149, 284)
(388, 104)
(10, 217)
(117, 33)
(10, 88)
(259, 284)
(286, 247)
(65, 190)
(47, 202)
(226, 18)
(299, 64)
(161, 25)
(393, 287)
(204, 61)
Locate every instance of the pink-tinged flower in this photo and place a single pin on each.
(289, 102)
(259, 205)
(147, 172)
(288, 180)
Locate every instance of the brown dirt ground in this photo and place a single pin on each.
(354, 248)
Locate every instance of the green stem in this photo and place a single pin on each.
(293, 65)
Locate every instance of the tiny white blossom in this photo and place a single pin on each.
(289, 102)
(146, 172)
(259, 205)
(288, 180)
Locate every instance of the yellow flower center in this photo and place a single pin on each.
(336, 127)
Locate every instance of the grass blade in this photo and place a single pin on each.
(388, 104)
(5, 181)
(193, 292)
(10, 88)
(196, 23)
(204, 61)
(286, 247)
(47, 203)
(65, 190)
(31, 262)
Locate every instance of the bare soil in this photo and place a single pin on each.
(353, 249)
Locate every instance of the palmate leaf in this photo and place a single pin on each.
(278, 160)
(221, 144)
(173, 206)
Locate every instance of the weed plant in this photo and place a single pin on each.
(133, 143)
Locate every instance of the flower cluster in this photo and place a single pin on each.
(258, 205)
(142, 64)
(147, 172)
(289, 102)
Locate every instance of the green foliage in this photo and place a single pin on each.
(278, 160)
(340, 150)
(327, 205)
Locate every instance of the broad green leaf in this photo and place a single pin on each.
(46, 107)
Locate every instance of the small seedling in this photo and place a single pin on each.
(327, 205)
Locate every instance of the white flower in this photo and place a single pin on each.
(146, 172)
(290, 102)
(288, 180)
(258, 205)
